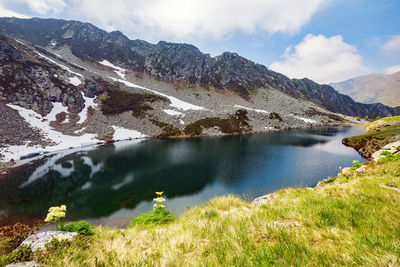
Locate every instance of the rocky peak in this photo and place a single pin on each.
(181, 63)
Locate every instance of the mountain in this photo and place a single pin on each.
(66, 84)
(373, 88)
(181, 64)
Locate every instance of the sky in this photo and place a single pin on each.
(324, 40)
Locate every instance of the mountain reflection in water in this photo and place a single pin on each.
(113, 183)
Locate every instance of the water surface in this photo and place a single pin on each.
(112, 184)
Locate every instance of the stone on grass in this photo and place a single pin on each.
(39, 240)
(263, 199)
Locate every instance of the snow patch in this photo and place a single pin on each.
(173, 112)
(35, 120)
(252, 109)
(75, 81)
(305, 119)
(57, 109)
(88, 102)
(118, 70)
(175, 102)
(124, 134)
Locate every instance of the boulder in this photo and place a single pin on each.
(39, 240)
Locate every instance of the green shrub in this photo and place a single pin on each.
(330, 180)
(366, 117)
(356, 165)
(23, 253)
(82, 228)
(358, 118)
(159, 214)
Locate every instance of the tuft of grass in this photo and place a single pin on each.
(353, 221)
(158, 215)
(82, 228)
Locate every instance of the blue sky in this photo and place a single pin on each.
(325, 40)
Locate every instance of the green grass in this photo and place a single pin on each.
(381, 121)
(379, 134)
(81, 227)
(158, 215)
(352, 221)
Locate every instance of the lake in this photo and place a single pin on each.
(111, 184)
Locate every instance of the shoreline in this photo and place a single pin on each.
(7, 166)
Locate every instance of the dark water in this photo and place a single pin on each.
(111, 184)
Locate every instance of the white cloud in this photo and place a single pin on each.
(392, 44)
(392, 69)
(193, 18)
(322, 59)
(4, 12)
(44, 6)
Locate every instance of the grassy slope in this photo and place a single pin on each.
(352, 221)
(379, 134)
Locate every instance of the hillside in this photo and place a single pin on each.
(52, 100)
(180, 64)
(349, 220)
(374, 88)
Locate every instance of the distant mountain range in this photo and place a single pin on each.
(373, 88)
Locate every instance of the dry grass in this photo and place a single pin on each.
(352, 221)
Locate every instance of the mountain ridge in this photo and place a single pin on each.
(372, 88)
(182, 63)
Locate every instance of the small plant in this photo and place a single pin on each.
(55, 214)
(387, 156)
(358, 118)
(356, 164)
(330, 180)
(82, 228)
(21, 254)
(159, 214)
(366, 117)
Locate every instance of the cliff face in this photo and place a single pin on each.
(181, 63)
(30, 81)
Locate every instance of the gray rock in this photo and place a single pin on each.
(39, 240)
(24, 264)
(263, 199)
